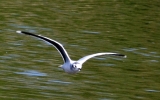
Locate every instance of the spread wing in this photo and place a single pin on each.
(82, 60)
(56, 44)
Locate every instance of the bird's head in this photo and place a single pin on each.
(76, 66)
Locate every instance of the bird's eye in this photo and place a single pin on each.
(74, 65)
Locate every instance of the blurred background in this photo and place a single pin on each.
(29, 67)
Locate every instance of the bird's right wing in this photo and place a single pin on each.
(82, 60)
(56, 44)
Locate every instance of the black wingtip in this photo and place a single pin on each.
(121, 55)
(27, 33)
(23, 32)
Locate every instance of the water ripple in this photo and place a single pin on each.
(32, 73)
(138, 51)
(89, 32)
(58, 81)
(32, 29)
(150, 90)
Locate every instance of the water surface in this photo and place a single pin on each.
(29, 67)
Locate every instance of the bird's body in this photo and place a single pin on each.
(69, 66)
(72, 67)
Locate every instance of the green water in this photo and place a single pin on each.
(29, 67)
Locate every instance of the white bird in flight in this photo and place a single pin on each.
(69, 66)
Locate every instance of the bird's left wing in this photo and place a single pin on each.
(82, 60)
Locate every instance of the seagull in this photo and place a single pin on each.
(69, 66)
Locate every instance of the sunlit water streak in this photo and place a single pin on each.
(90, 32)
(31, 73)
